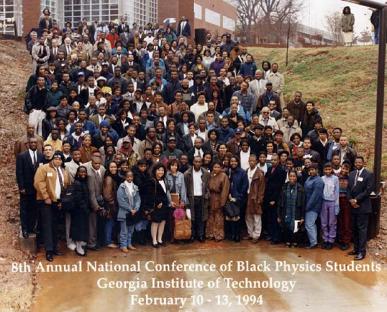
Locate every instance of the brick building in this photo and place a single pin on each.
(216, 16)
(27, 12)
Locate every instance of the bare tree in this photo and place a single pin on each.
(248, 12)
(278, 17)
(333, 25)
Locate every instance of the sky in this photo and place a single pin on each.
(314, 12)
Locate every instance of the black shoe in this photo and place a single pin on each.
(344, 246)
(93, 248)
(57, 253)
(352, 253)
(201, 239)
(274, 242)
(329, 246)
(155, 245)
(324, 245)
(359, 256)
(25, 234)
(311, 247)
(49, 256)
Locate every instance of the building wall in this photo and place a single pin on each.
(31, 13)
(213, 15)
(11, 10)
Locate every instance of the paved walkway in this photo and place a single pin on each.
(321, 291)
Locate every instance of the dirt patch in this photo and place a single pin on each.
(16, 289)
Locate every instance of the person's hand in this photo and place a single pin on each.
(48, 201)
(133, 211)
(160, 205)
(272, 203)
(278, 220)
(59, 206)
(173, 204)
(302, 221)
(22, 191)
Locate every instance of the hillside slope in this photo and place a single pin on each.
(342, 81)
(16, 288)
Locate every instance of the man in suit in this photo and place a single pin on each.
(95, 172)
(196, 181)
(275, 179)
(50, 181)
(184, 28)
(26, 166)
(66, 48)
(54, 50)
(258, 85)
(97, 119)
(360, 187)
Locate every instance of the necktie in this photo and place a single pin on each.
(60, 179)
(357, 176)
(34, 160)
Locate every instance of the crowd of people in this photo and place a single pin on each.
(139, 128)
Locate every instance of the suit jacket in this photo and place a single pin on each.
(95, 119)
(95, 184)
(189, 184)
(361, 190)
(186, 31)
(274, 183)
(25, 171)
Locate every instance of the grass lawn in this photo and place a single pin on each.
(342, 82)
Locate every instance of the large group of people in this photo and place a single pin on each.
(131, 130)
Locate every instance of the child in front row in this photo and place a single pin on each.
(129, 202)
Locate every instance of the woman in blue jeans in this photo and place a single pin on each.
(314, 191)
(129, 202)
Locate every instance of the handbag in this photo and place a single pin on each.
(182, 229)
(132, 219)
(231, 209)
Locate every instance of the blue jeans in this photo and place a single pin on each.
(126, 233)
(310, 226)
(109, 225)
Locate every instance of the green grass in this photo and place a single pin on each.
(342, 82)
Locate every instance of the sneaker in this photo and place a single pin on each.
(131, 247)
(112, 246)
(72, 246)
(124, 250)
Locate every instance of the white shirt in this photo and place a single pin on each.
(162, 183)
(58, 187)
(32, 155)
(250, 174)
(244, 156)
(197, 109)
(129, 187)
(263, 168)
(197, 182)
(198, 152)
